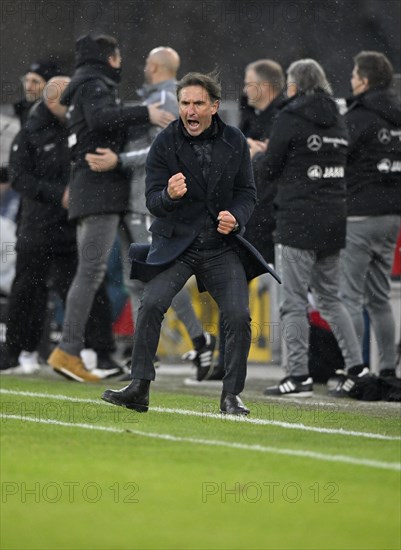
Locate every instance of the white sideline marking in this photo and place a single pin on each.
(216, 443)
(239, 419)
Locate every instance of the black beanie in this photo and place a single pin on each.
(87, 50)
(45, 69)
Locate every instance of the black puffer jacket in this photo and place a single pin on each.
(39, 170)
(374, 160)
(307, 155)
(96, 119)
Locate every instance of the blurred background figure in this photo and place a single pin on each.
(373, 203)
(46, 245)
(307, 155)
(160, 74)
(34, 82)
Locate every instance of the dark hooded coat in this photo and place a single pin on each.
(96, 118)
(374, 156)
(306, 157)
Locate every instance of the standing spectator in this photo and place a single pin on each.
(161, 69)
(34, 82)
(46, 246)
(374, 204)
(97, 199)
(264, 83)
(199, 187)
(307, 155)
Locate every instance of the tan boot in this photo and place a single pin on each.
(70, 366)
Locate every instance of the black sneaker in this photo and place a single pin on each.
(107, 367)
(203, 358)
(290, 386)
(347, 385)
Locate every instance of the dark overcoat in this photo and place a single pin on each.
(178, 222)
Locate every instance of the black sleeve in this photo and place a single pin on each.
(158, 201)
(270, 164)
(101, 112)
(22, 173)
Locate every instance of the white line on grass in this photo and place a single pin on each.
(207, 415)
(218, 443)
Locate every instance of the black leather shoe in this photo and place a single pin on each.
(134, 396)
(232, 404)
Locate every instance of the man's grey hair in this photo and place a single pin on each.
(308, 76)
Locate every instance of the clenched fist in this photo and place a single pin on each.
(227, 222)
(176, 187)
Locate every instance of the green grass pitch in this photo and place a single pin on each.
(77, 473)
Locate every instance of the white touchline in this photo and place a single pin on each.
(217, 443)
(238, 419)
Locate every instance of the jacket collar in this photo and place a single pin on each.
(221, 155)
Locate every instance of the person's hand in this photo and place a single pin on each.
(256, 146)
(227, 222)
(103, 161)
(158, 117)
(65, 198)
(176, 187)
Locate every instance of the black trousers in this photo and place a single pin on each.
(27, 302)
(223, 275)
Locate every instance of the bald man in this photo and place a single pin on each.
(160, 74)
(46, 243)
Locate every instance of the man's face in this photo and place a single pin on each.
(358, 84)
(115, 60)
(148, 70)
(196, 109)
(252, 88)
(33, 86)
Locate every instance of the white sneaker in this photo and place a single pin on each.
(28, 363)
(89, 358)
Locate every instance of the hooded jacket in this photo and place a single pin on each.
(95, 118)
(306, 156)
(39, 171)
(374, 157)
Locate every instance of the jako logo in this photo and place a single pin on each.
(384, 166)
(315, 172)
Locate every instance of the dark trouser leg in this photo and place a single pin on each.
(27, 301)
(156, 300)
(224, 277)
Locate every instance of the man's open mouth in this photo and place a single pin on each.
(193, 124)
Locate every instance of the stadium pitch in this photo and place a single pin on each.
(78, 473)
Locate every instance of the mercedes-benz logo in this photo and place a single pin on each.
(314, 142)
(384, 136)
(315, 172)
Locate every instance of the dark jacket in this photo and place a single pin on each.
(374, 157)
(39, 170)
(258, 124)
(307, 155)
(96, 119)
(259, 229)
(178, 222)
